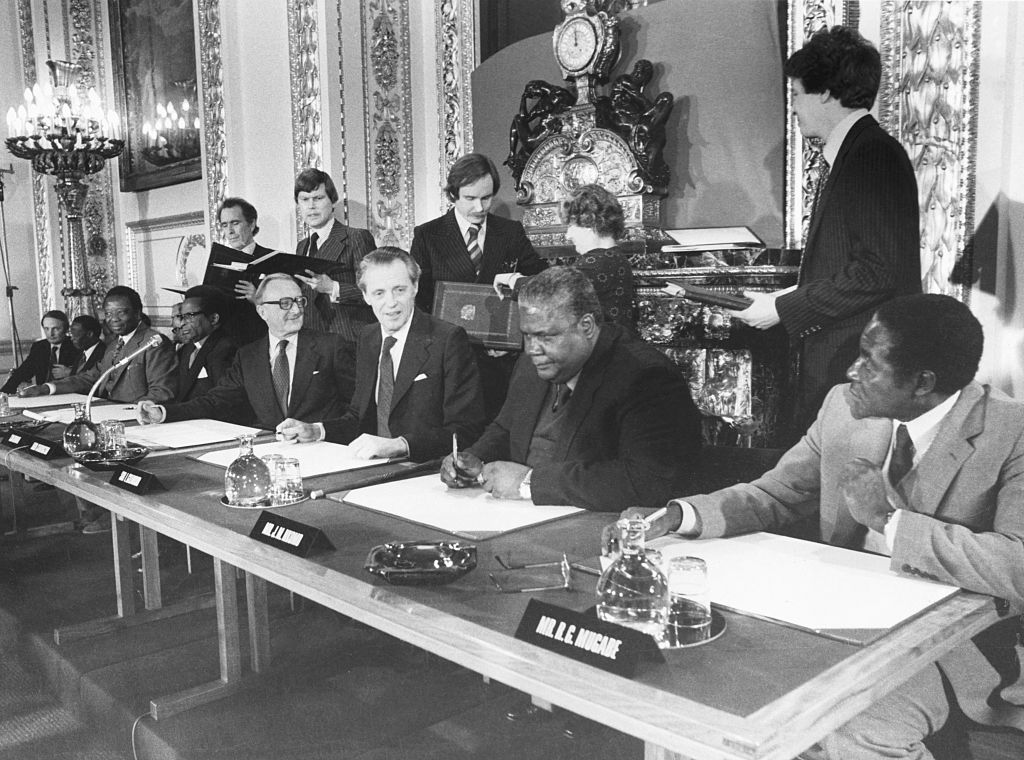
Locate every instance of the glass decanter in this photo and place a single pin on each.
(247, 479)
(632, 590)
(80, 434)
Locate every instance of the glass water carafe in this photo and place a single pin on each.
(633, 591)
(247, 479)
(80, 434)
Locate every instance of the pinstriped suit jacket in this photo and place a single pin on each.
(440, 250)
(345, 246)
(863, 248)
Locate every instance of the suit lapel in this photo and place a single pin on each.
(307, 358)
(414, 356)
(590, 380)
(333, 248)
(950, 449)
(460, 266)
(834, 172)
(366, 371)
(132, 345)
(495, 244)
(869, 440)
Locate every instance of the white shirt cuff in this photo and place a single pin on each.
(890, 529)
(689, 525)
(52, 389)
(321, 432)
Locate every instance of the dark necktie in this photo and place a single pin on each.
(473, 246)
(280, 376)
(53, 361)
(902, 460)
(562, 395)
(385, 387)
(114, 360)
(312, 248)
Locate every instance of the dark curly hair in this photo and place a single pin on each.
(841, 62)
(593, 207)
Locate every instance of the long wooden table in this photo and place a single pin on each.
(761, 691)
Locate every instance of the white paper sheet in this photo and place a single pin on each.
(320, 458)
(98, 413)
(180, 435)
(466, 512)
(58, 399)
(807, 584)
(713, 238)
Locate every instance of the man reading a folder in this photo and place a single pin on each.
(915, 460)
(594, 417)
(416, 380)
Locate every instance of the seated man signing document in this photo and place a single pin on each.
(416, 379)
(289, 372)
(594, 418)
(915, 460)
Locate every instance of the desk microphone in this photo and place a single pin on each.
(153, 342)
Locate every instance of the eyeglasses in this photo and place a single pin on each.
(188, 316)
(119, 313)
(287, 303)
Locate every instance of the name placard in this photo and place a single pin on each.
(13, 438)
(42, 448)
(586, 638)
(289, 535)
(135, 480)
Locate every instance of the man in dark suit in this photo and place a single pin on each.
(914, 460)
(594, 417)
(470, 244)
(411, 399)
(862, 245)
(150, 375)
(238, 219)
(85, 334)
(336, 305)
(290, 372)
(207, 350)
(52, 357)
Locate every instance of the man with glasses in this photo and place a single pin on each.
(290, 372)
(52, 357)
(149, 375)
(207, 351)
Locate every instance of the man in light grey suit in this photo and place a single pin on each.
(915, 460)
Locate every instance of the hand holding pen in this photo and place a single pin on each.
(461, 469)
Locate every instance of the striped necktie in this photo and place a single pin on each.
(385, 387)
(114, 360)
(473, 246)
(280, 377)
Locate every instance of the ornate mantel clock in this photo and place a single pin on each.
(566, 137)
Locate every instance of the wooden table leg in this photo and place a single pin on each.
(124, 575)
(229, 648)
(150, 568)
(259, 622)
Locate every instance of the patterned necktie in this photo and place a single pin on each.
(823, 171)
(116, 358)
(280, 376)
(53, 361)
(312, 248)
(385, 387)
(473, 246)
(902, 460)
(562, 395)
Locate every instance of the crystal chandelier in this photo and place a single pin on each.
(69, 138)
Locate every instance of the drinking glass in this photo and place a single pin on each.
(287, 478)
(112, 437)
(689, 615)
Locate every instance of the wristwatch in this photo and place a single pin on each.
(524, 487)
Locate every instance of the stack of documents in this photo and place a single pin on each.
(320, 458)
(180, 435)
(98, 413)
(58, 399)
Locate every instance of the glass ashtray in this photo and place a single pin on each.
(266, 503)
(22, 424)
(110, 459)
(421, 563)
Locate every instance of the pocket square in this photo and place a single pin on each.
(316, 372)
(202, 373)
(420, 376)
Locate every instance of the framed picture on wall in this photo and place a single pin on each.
(154, 56)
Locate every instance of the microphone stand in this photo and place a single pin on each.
(5, 264)
(153, 342)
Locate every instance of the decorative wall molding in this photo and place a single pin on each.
(929, 97)
(214, 134)
(387, 102)
(802, 157)
(339, 171)
(40, 198)
(304, 69)
(456, 59)
(157, 255)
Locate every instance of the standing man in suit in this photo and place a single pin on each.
(85, 334)
(414, 395)
(863, 241)
(594, 417)
(336, 305)
(149, 375)
(237, 219)
(470, 244)
(915, 460)
(52, 357)
(290, 372)
(207, 350)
